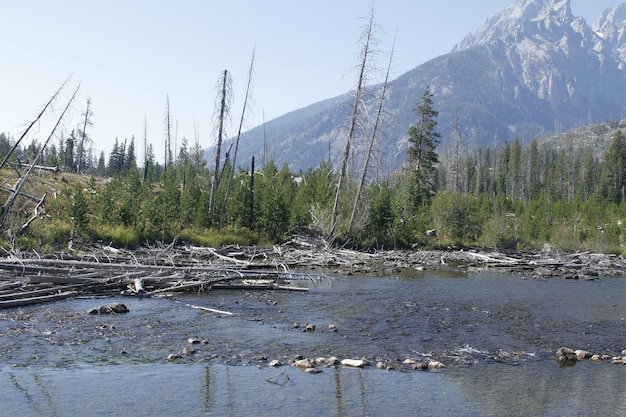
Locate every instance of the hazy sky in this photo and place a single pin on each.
(129, 55)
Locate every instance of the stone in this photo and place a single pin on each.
(193, 341)
(275, 363)
(408, 362)
(354, 363)
(173, 356)
(582, 354)
(303, 363)
(566, 355)
(331, 361)
(111, 308)
(435, 365)
(420, 366)
(312, 370)
(310, 327)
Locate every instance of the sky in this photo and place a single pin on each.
(130, 56)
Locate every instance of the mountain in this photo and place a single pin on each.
(532, 69)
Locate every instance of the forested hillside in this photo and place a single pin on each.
(566, 194)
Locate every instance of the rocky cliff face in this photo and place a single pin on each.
(530, 70)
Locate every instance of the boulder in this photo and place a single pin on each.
(435, 365)
(303, 363)
(582, 354)
(566, 356)
(111, 308)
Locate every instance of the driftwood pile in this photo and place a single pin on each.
(30, 279)
(27, 278)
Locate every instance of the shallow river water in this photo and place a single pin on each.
(496, 334)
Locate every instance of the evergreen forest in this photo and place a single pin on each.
(509, 196)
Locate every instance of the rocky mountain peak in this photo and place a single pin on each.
(543, 18)
(611, 26)
(530, 70)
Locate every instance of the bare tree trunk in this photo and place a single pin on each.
(145, 147)
(234, 160)
(353, 121)
(83, 136)
(16, 144)
(224, 110)
(9, 204)
(372, 141)
(168, 135)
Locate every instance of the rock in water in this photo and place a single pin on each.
(355, 363)
(566, 356)
(111, 308)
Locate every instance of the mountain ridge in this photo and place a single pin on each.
(530, 70)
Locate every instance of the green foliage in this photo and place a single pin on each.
(423, 158)
(456, 217)
(119, 235)
(79, 210)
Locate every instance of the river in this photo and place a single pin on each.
(496, 334)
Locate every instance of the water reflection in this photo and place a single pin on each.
(531, 389)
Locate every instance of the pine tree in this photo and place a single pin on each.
(613, 181)
(422, 157)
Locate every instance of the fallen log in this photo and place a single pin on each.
(16, 295)
(36, 213)
(36, 300)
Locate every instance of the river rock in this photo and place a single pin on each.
(312, 370)
(582, 354)
(435, 365)
(354, 363)
(566, 356)
(111, 308)
(331, 361)
(275, 363)
(303, 363)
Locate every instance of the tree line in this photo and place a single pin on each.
(507, 196)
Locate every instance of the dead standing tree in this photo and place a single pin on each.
(233, 163)
(168, 135)
(83, 135)
(368, 155)
(43, 110)
(366, 40)
(18, 187)
(224, 101)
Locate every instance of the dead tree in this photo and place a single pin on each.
(83, 135)
(368, 155)
(168, 135)
(43, 110)
(234, 159)
(18, 187)
(224, 100)
(360, 87)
